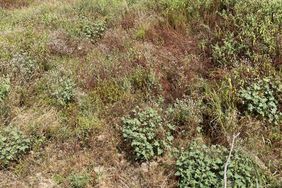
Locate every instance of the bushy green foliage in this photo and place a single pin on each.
(147, 133)
(63, 90)
(92, 31)
(237, 30)
(247, 30)
(13, 144)
(4, 88)
(185, 112)
(79, 180)
(202, 166)
(262, 98)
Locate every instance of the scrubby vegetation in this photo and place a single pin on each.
(202, 166)
(147, 93)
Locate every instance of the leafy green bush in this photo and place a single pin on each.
(202, 166)
(79, 180)
(92, 31)
(147, 133)
(13, 144)
(4, 88)
(63, 90)
(247, 30)
(262, 98)
(185, 112)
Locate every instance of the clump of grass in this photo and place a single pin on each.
(79, 180)
(221, 103)
(145, 81)
(185, 112)
(109, 91)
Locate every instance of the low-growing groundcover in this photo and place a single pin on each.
(147, 132)
(73, 71)
(13, 144)
(262, 98)
(203, 166)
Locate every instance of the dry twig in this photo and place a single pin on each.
(228, 159)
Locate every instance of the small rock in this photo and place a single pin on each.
(144, 167)
(101, 138)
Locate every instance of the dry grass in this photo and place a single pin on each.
(14, 3)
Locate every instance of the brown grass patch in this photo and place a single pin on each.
(63, 44)
(14, 3)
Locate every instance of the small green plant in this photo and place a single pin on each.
(203, 166)
(4, 88)
(185, 112)
(141, 33)
(63, 90)
(13, 144)
(24, 66)
(92, 31)
(147, 133)
(79, 180)
(262, 98)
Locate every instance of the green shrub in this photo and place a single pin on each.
(13, 144)
(92, 31)
(4, 88)
(262, 98)
(62, 89)
(237, 30)
(247, 30)
(202, 166)
(147, 133)
(79, 180)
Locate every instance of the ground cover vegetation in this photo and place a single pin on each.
(140, 93)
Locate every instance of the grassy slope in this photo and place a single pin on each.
(144, 56)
